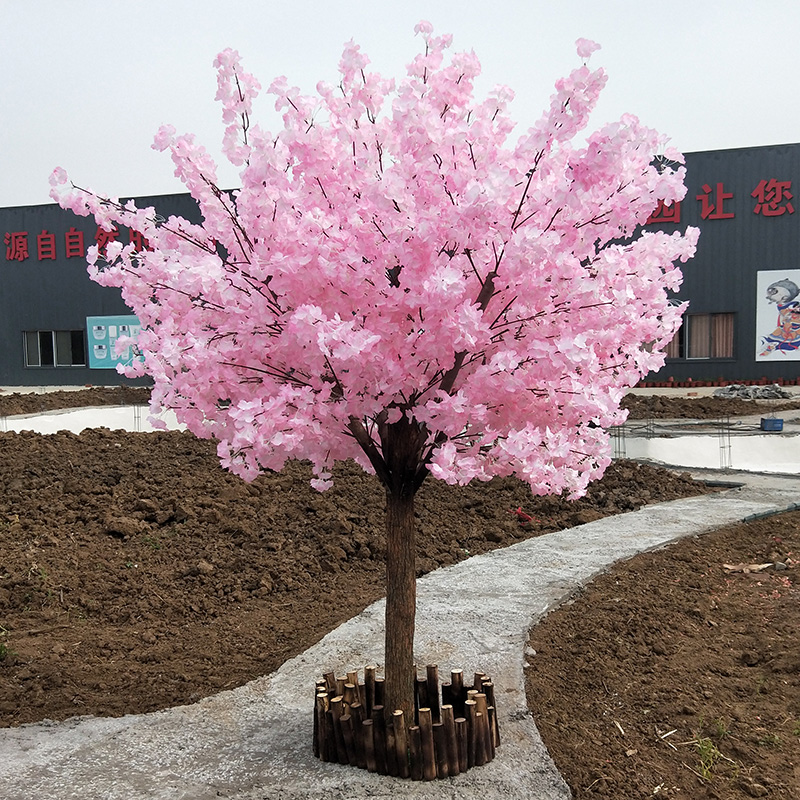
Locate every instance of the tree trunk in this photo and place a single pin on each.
(401, 599)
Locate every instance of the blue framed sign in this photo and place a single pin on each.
(102, 334)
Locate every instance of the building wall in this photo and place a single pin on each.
(740, 236)
(740, 199)
(46, 288)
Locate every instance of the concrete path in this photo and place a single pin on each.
(253, 743)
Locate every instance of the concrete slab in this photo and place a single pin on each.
(75, 420)
(253, 743)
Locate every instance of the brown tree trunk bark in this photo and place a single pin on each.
(401, 599)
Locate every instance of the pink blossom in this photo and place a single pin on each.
(164, 138)
(58, 177)
(586, 47)
(392, 258)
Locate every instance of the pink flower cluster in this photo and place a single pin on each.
(393, 252)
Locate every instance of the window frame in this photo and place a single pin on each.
(684, 337)
(61, 348)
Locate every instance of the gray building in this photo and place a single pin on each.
(46, 295)
(743, 286)
(740, 325)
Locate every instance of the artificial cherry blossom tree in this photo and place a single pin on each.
(400, 282)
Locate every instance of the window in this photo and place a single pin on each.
(675, 347)
(703, 336)
(55, 349)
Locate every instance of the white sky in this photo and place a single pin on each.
(86, 83)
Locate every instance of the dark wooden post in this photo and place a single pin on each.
(415, 751)
(450, 735)
(472, 732)
(488, 688)
(369, 687)
(432, 679)
(463, 746)
(349, 736)
(391, 750)
(440, 744)
(428, 749)
(379, 730)
(336, 715)
(357, 712)
(401, 743)
(486, 730)
(369, 745)
(457, 691)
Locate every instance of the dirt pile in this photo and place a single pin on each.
(669, 407)
(37, 402)
(136, 574)
(677, 674)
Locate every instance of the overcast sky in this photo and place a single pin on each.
(86, 83)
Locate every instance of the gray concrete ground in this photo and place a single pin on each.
(253, 743)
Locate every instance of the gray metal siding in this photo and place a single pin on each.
(57, 294)
(722, 276)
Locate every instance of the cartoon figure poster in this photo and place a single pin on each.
(778, 315)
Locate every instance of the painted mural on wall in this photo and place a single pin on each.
(778, 315)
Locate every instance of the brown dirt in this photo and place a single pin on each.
(682, 677)
(35, 402)
(135, 574)
(670, 407)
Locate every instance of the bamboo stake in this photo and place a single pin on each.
(415, 751)
(330, 736)
(492, 716)
(472, 732)
(461, 741)
(352, 677)
(316, 730)
(379, 692)
(320, 741)
(357, 713)
(391, 751)
(348, 734)
(362, 696)
(379, 728)
(440, 745)
(349, 696)
(428, 749)
(457, 691)
(330, 682)
(401, 743)
(421, 687)
(450, 737)
(477, 682)
(433, 691)
(369, 745)
(447, 693)
(481, 756)
(340, 682)
(336, 712)
(486, 731)
(369, 686)
(488, 689)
